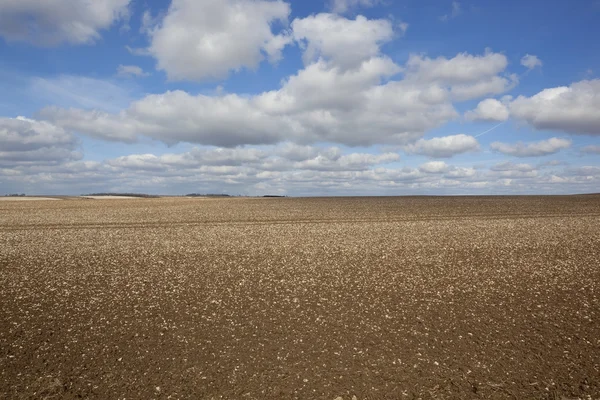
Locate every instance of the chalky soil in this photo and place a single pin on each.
(324, 298)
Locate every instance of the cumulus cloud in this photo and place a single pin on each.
(463, 68)
(349, 162)
(460, 172)
(49, 23)
(510, 166)
(467, 76)
(206, 39)
(370, 103)
(534, 149)
(322, 103)
(26, 141)
(127, 71)
(345, 42)
(286, 169)
(530, 61)
(172, 117)
(444, 147)
(488, 110)
(288, 157)
(509, 170)
(572, 109)
(434, 167)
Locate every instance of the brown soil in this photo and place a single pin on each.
(391, 298)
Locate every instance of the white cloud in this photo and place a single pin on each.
(531, 61)
(587, 171)
(206, 39)
(509, 166)
(127, 71)
(455, 12)
(349, 162)
(434, 167)
(444, 147)
(343, 6)
(345, 42)
(49, 23)
(274, 159)
(490, 86)
(508, 170)
(463, 68)
(320, 86)
(467, 76)
(488, 110)
(320, 103)
(460, 172)
(173, 117)
(295, 152)
(534, 149)
(27, 141)
(257, 171)
(323, 102)
(572, 109)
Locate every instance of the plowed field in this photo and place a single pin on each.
(358, 298)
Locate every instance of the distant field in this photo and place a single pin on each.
(236, 298)
(110, 197)
(25, 198)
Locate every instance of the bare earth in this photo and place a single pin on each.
(473, 297)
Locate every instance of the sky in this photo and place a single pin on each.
(300, 98)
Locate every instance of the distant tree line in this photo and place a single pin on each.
(15, 195)
(208, 195)
(224, 195)
(149, 196)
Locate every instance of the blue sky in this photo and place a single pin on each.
(335, 97)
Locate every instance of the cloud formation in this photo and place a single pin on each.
(258, 171)
(572, 109)
(322, 103)
(466, 76)
(530, 61)
(26, 141)
(207, 39)
(444, 147)
(488, 110)
(345, 42)
(434, 167)
(49, 23)
(534, 149)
